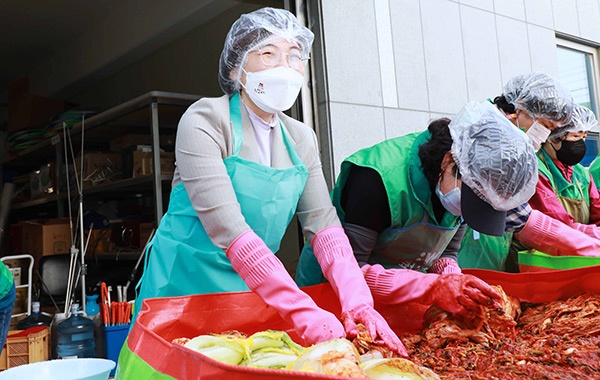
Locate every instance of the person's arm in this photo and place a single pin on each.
(332, 250)
(203, 141)
(366, 210)
(456, 293)
(555, 238)
(448, 262)
(546, 201)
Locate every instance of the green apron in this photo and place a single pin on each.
(594, 170)
(484, 251)
(414, 240)
(182, 259)
(574, 196)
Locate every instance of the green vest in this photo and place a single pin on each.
(415, 238)
(484, 251)
(6, 280)
(594, 170)
(405, 184)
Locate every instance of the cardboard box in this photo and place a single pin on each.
(100, 241)
(47, 237)
(16, 273)
(15, 238)
(19, 268)
(29, 111)
(99, 167)
(20, 301)
(142, 163)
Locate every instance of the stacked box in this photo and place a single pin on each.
(46, 237)
(142, 163)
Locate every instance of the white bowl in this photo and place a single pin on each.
(62, 369)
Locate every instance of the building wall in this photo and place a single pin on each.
(393, 65)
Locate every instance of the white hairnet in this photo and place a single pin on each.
(583, 120)
(495, 158)
(541, 96)
(252, 31)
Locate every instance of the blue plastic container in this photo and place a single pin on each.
(34, 319)
(91, 305)
(75, 336)
(114, 337)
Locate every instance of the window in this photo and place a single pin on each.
(578, 67)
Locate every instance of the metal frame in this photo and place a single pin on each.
(29, 280)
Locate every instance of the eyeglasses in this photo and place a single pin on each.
(271, 56)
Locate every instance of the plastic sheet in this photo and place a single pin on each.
(163, 319)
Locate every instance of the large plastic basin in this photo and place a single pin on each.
(65, 369)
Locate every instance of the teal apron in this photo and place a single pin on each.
(181, 258)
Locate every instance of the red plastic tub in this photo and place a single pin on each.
(161, 320)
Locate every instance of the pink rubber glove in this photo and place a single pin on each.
(445, 265)
(461, 294)
(266, 276)
(555, 238)
(334, 254)
(456, 293)
(590, 230)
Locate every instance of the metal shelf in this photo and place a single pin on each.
(139, 116)
(129, 255)
(129, 115)
(123, 186)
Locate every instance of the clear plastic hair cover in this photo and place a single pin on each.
(583, 120)
(253, 31)
(541, 96)
(495, 158)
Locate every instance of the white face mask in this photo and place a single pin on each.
(450, 200)
(538, 135)
(274, 89)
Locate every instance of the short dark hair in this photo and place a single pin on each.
(504, 105)
(432, 152)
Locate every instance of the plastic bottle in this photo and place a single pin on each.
(91, 305)
(34, 319)
(58, 318)
(75, 336)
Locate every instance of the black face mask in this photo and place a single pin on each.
(571, 152)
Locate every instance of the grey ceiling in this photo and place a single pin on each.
(31, 30)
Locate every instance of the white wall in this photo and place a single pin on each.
(393, 65)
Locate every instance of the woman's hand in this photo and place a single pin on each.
(334, 253)
(376, 325)
(462, 294)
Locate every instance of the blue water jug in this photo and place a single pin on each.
(75, 336)
(36, 318)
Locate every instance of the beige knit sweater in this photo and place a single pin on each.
(205, 138)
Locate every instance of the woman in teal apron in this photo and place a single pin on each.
(402, 204)
(243, 170)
